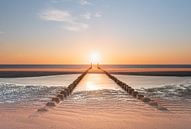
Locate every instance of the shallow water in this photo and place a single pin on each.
(32, 90)
(173, 92)
(97, 102)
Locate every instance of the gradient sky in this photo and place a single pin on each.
(122, 31)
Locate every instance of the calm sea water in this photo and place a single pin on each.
(172, 92)
(104, 66)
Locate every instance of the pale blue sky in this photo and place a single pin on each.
(122, 31)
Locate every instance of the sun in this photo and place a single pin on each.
(95, 58)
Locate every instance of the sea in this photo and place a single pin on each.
(39, 89)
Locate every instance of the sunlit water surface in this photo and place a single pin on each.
(97, 98)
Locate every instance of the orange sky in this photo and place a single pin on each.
(125, 32)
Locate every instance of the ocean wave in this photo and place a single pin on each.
(181, 91)
(16, 93)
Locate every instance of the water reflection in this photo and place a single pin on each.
(93, 82)
(91, 86)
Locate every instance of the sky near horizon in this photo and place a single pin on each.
(121, 31)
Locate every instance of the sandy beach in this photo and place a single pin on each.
(60, 118)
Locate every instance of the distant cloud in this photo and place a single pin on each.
(76, 26)
(55, 1)
(87, 15)
(56, 15)
(84, 2)
(69, 21)
(98, 14)
(81, 2)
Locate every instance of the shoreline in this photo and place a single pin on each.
(17, 74)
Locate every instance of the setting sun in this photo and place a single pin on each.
(95, 58)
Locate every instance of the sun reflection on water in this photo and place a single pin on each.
(91, 86)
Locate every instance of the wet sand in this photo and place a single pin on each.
(96, 103)
(59, 118)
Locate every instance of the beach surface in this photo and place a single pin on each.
(89, 117)
(96, 103)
